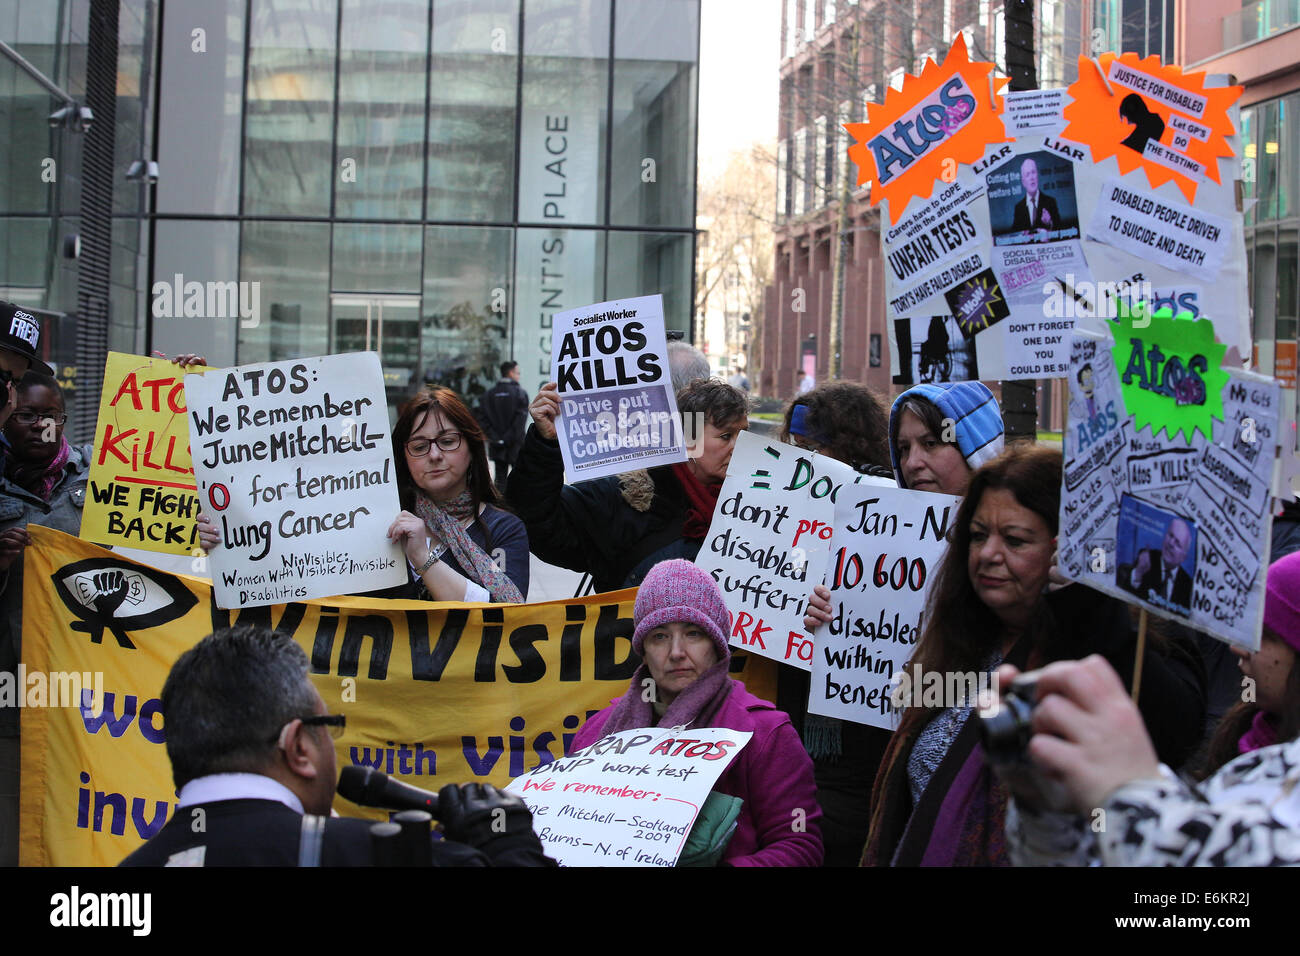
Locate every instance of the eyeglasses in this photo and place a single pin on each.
(26, 417)
(447, 441)
(334, 722)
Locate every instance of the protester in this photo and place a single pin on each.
(681, 626)
(938, 434)
(503, 411)
(20, 334)
(843, 421)
(44, 483)
(617, 528)
(1090, 758)
(935, 801)
(686, 364)
(250, 744)
(460, 544)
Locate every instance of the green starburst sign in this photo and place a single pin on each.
(1170, 370)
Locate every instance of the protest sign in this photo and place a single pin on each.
(1034, 111)
(631, 798)
(141, 492)
(769, 542)
(946, 116)
(1153, 117)
(987, 278)
(888, 543)
(433, 693)
(281, 450)
(617, 407)
(1169, 459)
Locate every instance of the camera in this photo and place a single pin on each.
(1005, 732)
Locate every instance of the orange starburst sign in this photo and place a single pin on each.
(949, 113)
(1151, 115)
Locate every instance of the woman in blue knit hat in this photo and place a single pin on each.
(939, 434)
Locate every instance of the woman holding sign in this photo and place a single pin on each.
(461, 546)
(617, 528)
(936, 802)
(681, 626)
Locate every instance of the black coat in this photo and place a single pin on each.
(266, 833)
(503, 412)
(614, 528)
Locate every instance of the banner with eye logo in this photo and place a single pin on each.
(433, 693)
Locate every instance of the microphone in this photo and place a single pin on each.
(367, 787)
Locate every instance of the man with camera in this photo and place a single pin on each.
(252, 751)
(1087, 787)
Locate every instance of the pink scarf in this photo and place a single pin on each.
(1262, 733)
(444, 521)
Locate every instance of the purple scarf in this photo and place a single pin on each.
(1262, 733)
(695, 705)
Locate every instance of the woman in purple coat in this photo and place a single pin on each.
(681, 626)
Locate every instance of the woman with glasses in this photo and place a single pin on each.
(460, 544)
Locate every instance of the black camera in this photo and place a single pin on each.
(1006, 731)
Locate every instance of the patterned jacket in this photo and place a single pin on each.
(1247, 814)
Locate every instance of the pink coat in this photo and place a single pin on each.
(772, 774)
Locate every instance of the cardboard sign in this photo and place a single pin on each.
(1168, 465)
(295, 467)
(617, 407)
(141, 492)
(947, 115)
(630, 799)
(769, 543)
(888, 543)
(1154, 117)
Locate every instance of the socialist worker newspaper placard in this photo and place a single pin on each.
(294, 463)
(617, 408)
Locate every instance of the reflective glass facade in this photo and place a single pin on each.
(431, 179)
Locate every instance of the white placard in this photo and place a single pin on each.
(617, 407)
(888, 545)
(631, 798)
(1134, 502)
(294, 465)
(769, 542)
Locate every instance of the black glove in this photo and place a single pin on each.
(478, 813)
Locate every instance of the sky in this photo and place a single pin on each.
(740, 62)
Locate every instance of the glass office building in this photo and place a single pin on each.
(429, 179)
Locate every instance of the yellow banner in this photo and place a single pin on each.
(141, 492)
(433, 693)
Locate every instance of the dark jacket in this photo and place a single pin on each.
(1082, 622)
(502, 412)
(1181, 598)
(19, 508)
(1046, 204)
(614, 528)
(267, 833)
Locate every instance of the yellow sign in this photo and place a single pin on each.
(433, 693)
(141, 492)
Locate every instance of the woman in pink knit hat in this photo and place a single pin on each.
(681, 624)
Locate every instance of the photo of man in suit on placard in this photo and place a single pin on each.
(1157, 576)
(1037, 209)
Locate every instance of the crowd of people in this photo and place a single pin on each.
(923, 794)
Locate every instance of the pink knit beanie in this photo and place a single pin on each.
(677, 590)
(1281, 601)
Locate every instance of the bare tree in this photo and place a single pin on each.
(736, 216)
